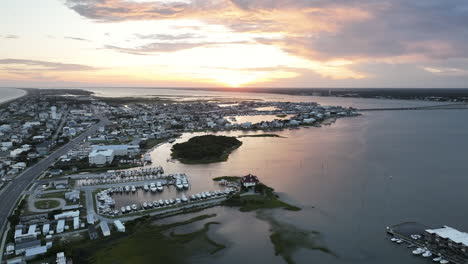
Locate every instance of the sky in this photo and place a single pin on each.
(234, 43)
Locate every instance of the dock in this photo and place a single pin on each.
(406, 231)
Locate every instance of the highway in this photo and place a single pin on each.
(12, 192)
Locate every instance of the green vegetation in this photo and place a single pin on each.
(151, 143)
(228, 178)
(46, 204)
(261, 135)
(145, 242)
(53, 195)
(281, 115)
(263, 198)
(288, 239)
(205, 149)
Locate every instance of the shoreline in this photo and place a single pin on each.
(27, 93)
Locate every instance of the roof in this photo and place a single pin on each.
(105, 152)
(450, 233)
(35, 251)
(250, 178)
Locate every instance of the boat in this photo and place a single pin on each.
(145, 187)
(133, 188)
(155, 204)
(203, 196)
(437, 259)
(198, 196)
(145, 205)
(166, 202)
(427, 254)
(177, 201)
(184, 198)
(147, 158)
(127, 188)
(161, 202)
(122, 210)
(399, 241)
(443, 261)
(418, 251)
(128, 208)
(172, 140)
(159, 186)
(171, 201)
(153, 187)
(134, 207)
(185, 184)
(179, 185)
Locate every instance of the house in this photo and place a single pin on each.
(44, 147)
(448, 239)
(105, 228)
(120, 227)
(249, 181)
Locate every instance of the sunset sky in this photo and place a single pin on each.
(249, 43)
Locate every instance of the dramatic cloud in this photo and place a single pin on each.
(22, 66)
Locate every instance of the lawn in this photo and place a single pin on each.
(46, 204)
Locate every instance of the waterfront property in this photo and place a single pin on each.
(249, 181)
(444, 244)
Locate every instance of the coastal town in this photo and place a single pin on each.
(68, 159)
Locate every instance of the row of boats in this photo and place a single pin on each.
(171, 202)
(427, 253)
(421, 251)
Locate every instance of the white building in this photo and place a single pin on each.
(53, 113)
(105, 228)
(120, 227)
(60, 226)
(101, 157)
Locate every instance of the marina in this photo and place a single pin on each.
(444, 245)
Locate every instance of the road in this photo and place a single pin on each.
(15, 188)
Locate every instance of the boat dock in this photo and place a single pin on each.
(413, 233)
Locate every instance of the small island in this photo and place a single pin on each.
(205, 149)
(261, 135)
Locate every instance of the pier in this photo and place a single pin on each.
(406, 231)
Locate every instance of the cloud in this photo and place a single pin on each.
(11, 37)
(24, 66)
(157, 47)
(76, 38)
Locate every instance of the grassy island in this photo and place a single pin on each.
(228, 178)
(261, 135)
(205, 149)
(263, 198)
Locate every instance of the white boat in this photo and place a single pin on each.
(166, 202)
(177, 201)
(171, 201)
(133, 188)
(127, 188)
(145, 187)
(145, 205)
(185, 184)
(399, 241)
(437, 259)
(159, 186)
(443, 261)
(418, 251)
(161, 202)
(155, 204)
(122, 210)
(134, 207)
(128, 208)
(179, 185)
(172, 140)
(198, 196)
(203, 196)
(427, 254)
(184, 198)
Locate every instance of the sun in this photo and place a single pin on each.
(235, 78)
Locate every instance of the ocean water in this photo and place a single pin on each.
(352, 179)
(7, 94)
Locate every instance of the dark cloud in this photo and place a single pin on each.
(76, 38)
(18, 65)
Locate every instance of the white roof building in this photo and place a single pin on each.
(105, 228)
(120, 227)
(451, 234)
(69, 214)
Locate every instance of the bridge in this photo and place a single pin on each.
(431, 107)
